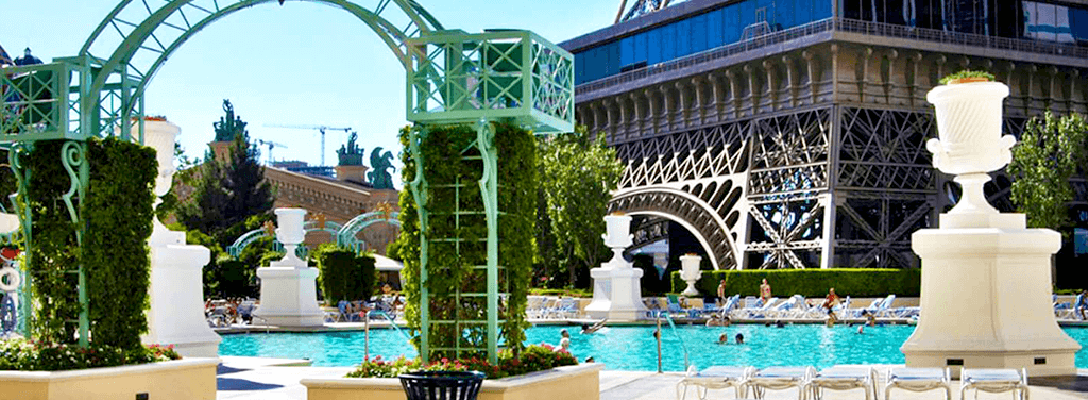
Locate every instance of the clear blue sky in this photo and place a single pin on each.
(300, 63)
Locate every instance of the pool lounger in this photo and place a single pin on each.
(777, 378)
(845, 378)
(918, 380)
(995, 381)
(715, 378)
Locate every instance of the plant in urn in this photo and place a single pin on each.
(970, 144)
(290, 232)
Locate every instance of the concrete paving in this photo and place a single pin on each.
(256, 378)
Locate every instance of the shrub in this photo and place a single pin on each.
(345, 275)
(966, 74)
(531, 359)
(856, 282)
(109, 240)
(18, 354)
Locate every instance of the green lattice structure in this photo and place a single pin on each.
(453, 78)
(456, 78)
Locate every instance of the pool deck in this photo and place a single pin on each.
(256, 378)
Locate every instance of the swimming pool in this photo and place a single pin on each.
(632, 348)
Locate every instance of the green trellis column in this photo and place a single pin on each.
(489, 193)
(458, 79)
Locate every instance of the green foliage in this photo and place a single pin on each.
(455, 210)
(118, 212)
(532, 359)
(1046, 158)
(230, 191)
(345, 275)
(579, 173)
(116, 219)
(22, 355)
(966, 74)
(855, 282)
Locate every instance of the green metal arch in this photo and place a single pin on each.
(361, 221)
(135, 40)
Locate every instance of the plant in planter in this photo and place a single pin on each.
(99, 227)
(532, 359)
(967, 76)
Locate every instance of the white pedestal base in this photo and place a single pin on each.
(289, 296)
(617, 294)
(986, 302)
(176, 316)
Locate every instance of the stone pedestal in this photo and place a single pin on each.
(288, 287)
(986, 300)
(176, 316)
(176, 294)
(617, 292)
(289, 296)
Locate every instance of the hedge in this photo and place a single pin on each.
(345, 275)
(854, 282)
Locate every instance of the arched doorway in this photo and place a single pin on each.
(691, 212)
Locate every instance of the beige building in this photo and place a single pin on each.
(338, 200)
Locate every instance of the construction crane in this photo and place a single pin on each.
(270, 145)
(319, 128)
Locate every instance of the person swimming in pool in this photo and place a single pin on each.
(587, 328)
(739, 338)
(723, 339)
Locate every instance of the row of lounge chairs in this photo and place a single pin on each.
(1071, 310)
(545, 307)
(796, 307)
(811, 382)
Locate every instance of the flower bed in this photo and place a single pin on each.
(23, 355)
(532, 359)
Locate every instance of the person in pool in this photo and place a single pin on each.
(723, 339)
(564, 342)
(587, 329)
(740, 338)
(870, 319)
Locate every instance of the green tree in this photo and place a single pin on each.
(228, 191)
(579, 173)
(1048, 155)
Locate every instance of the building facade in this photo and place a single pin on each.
(790, 133)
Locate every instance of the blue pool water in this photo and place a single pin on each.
(632, 348)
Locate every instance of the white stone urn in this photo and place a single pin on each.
(291, 234)
(689, 272)
(970, 144)
(619, 231)
(160, 135)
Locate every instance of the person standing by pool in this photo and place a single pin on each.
(764, 292)
(721, 293)
(830, 303)
(564, 342)
(1082, 305)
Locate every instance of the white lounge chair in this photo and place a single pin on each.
(534, 307)
(715, 378)
(919, 380)
(844, 378)
(779, 378)
(995, 381)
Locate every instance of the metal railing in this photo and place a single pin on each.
(840, 25)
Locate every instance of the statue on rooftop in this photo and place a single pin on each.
(351, 154)
(380, 163)
(229, 125)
